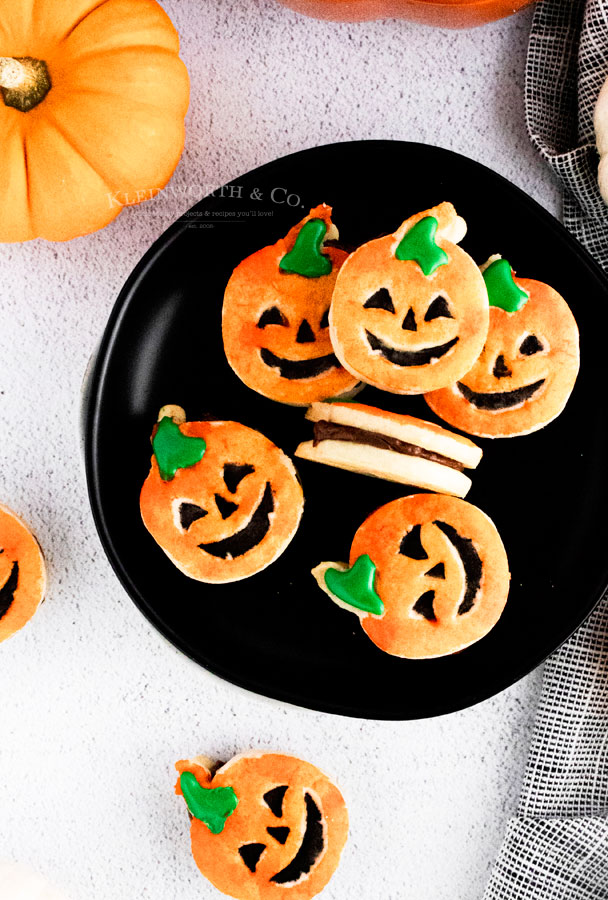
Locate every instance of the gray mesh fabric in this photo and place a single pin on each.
(566, 67)
(557, 847)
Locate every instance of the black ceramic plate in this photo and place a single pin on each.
(277, 633)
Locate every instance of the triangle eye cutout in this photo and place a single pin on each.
(380, 300)
(233, 474)
(437, 571)
(274, 800)
(531, 345)
(189, 513)
(225, 507)
(438, 309)
(272, 316)
(424, 606)
(250, 854)
(411, 545)
(280, 833)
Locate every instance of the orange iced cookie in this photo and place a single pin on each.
(428, 576)
(409, 312)
(22, 574)
(529, 364)
(221, 500)
(264, 826)
(275, 316)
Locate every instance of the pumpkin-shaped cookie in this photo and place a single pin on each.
(264, 826)
(275, 317)
(221, 500)
(409, 311)
(528, 366)
(22, 574)
(428, 576)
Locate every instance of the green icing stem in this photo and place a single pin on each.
(418, 244)
(213, 806)
(305, 257)
(355, 586)
(174, 450)
(502, 290)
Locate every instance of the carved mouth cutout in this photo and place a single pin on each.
(7, 592)
(411, 546)
(294, 369)
(248, 537)
(500, 399)
(409, 357)
(311, 848)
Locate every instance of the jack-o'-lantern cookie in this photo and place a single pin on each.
(409, 311)
(529, 364)
(275, 316)
(221, 500)
(22, 574)
(428, 576)
(264, 826)
(388, 445)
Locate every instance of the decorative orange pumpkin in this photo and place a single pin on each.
(221, 499)
(428, 576)
(445, 13)
(409, 311)
(264, 826)
(22, 574)
(275, 318)
(529, 364)
(92, 106)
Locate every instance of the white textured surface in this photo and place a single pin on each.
(95, 705)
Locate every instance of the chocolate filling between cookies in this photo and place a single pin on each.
(329, 431)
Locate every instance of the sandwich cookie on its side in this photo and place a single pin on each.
(391, 446)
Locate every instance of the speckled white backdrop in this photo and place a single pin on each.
(95, 706)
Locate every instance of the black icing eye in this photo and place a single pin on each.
(225, 507)
(411, 545)
(424, 606)
(233, 474)
(274, 800)
(280, 833)
(272, 316)
(189, 513)
(438, 309)
(250, 854)
(380, 300)
(531, 345)
(325, 319)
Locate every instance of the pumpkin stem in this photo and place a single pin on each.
(24, 82)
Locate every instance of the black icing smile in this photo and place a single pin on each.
(7, 592)
(311, 847)
(502, 399)
(299, 368)
(471, 564)
(409, 357)
(248, 537)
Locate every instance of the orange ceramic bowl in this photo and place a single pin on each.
(444, 13)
